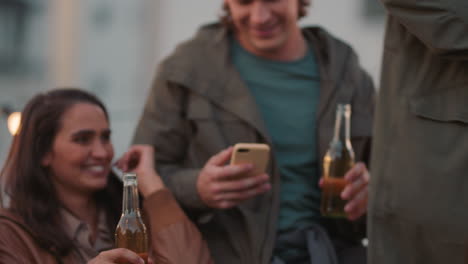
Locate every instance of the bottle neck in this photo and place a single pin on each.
(342, 125)
(130, 198)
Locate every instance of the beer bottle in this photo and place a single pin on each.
(337, 161)
(131, 231)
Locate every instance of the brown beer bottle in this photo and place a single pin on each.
(131, 231)
(337, 161)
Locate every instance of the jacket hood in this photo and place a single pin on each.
(184, 63)
(182, 67)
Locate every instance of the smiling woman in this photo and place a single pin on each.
(47, 171)
(65, 202)
(81, 153)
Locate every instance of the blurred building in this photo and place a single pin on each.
(112, 47)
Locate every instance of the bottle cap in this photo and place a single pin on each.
(344, 107)
(129, 176)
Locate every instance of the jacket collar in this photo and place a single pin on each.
(80, 232)
(221, 83)
(332, 57)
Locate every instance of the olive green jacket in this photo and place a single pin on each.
(199, 105)
(419, 186)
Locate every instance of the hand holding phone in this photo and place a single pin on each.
(254, 153)
(224, 186)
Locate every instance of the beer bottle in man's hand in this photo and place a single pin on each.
(131, 231)
(337, 161)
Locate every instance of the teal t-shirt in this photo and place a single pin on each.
(287, 95)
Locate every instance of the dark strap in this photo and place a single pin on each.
(321, 249)
(314, 239)
(30, 233)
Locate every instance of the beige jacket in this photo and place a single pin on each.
(175, 240)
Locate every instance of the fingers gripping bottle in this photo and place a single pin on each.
(337, 161)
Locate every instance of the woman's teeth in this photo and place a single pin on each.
(96, 168)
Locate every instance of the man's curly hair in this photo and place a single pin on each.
(226, 14)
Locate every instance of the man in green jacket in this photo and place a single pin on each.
(419, 199)
(260, 78)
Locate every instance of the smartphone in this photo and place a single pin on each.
(254, 153)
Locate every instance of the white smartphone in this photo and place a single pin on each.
(254, 153)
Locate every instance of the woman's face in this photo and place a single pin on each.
(82, 152)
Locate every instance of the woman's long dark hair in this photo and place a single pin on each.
(32, 194)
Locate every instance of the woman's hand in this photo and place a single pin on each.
(115, 256)
(140, 159)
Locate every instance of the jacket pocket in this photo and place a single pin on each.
(445, 106)
(428, 174)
